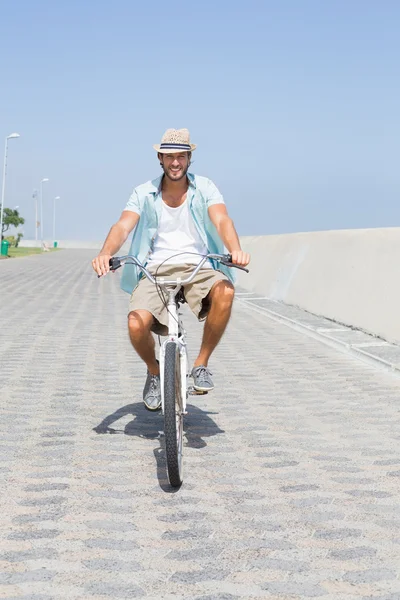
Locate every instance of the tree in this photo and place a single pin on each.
(11, 218)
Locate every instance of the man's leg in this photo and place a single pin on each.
(221, 297)
(139, 323)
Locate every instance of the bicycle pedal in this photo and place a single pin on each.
(193, 392)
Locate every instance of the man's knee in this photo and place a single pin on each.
(222, 294)
(139, 322)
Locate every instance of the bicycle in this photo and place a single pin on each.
(173, 359)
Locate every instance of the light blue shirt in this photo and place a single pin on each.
(146, 201)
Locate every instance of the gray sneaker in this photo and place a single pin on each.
(202, 381)
(152, 392)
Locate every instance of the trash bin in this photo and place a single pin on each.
(4, 247)
(55, 244)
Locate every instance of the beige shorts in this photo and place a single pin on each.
(146, 296)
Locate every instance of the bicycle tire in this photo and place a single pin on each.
(173, 414)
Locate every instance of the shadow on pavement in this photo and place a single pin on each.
(197, 426)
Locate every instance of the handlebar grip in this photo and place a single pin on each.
(115, 263)
(230, 264)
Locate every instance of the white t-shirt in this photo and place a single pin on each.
(177, 233)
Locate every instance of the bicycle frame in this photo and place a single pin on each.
(176, 332)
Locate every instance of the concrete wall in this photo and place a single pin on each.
(350, 276)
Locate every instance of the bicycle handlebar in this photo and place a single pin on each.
(225, 259)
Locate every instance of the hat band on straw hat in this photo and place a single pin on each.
(167, 146)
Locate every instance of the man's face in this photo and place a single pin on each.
(175, 165)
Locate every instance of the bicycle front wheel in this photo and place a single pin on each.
(173, 414)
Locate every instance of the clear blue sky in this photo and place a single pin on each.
(294, 106)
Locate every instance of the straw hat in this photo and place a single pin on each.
(175, 140)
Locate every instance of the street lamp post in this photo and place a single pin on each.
(3, 188)
(34, 196)
(54, 218)
(41, 207)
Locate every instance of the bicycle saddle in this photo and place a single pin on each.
(180, 297)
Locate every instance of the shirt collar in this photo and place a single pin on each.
(192, 180)
(155, 185)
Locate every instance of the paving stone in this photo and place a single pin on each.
(43, 501)
(299, 488)
(394, 474)
(115, 590)
(369, 576)
(113, 565)
(338, 534)
(194, 577)
(27, 577)
(384, 597)
(34, 534)
(369, 493)
(32, 554)
(305, 590)
(109, 544)
(37, 518)
(280, 464)
(186, 534)
(352, 553)
(195, 554)
(29, 597)
(276, 564)
(45, 487)
(112, 526)
(302, 502)
(216, 597)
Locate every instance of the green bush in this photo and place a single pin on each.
(14, 241)
(11, 240)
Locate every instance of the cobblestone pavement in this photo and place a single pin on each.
(292, 464)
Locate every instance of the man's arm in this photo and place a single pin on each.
(117, 236)
(227, 232)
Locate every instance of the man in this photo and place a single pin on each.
(176, 214)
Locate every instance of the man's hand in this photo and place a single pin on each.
(240, 258)
(101, 264)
